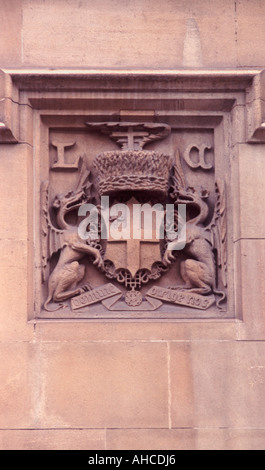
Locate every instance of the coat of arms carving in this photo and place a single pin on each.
(134, 234)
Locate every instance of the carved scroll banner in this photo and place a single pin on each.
(109, 295)
(95, 295)
(181, 297)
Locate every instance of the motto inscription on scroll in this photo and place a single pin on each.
(130, 228)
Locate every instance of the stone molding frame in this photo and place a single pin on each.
(21, 87)
(230, 102)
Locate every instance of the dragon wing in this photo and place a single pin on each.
(178, 179)
(217, 229)
(52, 238)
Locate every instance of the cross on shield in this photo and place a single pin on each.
(129, 248)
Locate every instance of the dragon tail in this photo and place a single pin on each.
(223, 297)
(51, 309)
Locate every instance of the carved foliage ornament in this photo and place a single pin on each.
(125, 258)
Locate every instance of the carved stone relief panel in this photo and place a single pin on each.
(128, 157)
(133, 221)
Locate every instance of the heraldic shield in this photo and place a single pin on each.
(144, 245)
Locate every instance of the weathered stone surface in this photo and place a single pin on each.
(212, 32)
(249, 17)
(55, 439)
(140, 439)
(108, 384)
(145, 35)
(151, 439)
(248, 176)
(15, 187)
(251, 290)
(218, 384)
(186, 439)
(182, 387)
(230, 439)
(129, 331)
(129, 26)
(11, 28)
(17, 385)
(171, 38)
(15, 296)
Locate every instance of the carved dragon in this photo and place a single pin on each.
(68, 272)
(198, 270)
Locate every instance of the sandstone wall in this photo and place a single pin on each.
(128, 384)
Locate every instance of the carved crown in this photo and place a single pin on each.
(135, 170)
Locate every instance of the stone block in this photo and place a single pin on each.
(17, 385)
(16, 240)
(248, 173)
(151, 439)
(143, 34)
(16, 186)
(251, 290)
(134, 330)
(217, 37)
(97, 385)
(249, 18)
(186, 439)
(15, 286)
(230, 439)
(137, 30)
(10, 26)
(218, 384)
(52, 439)
(26, 124)
(182, 387)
